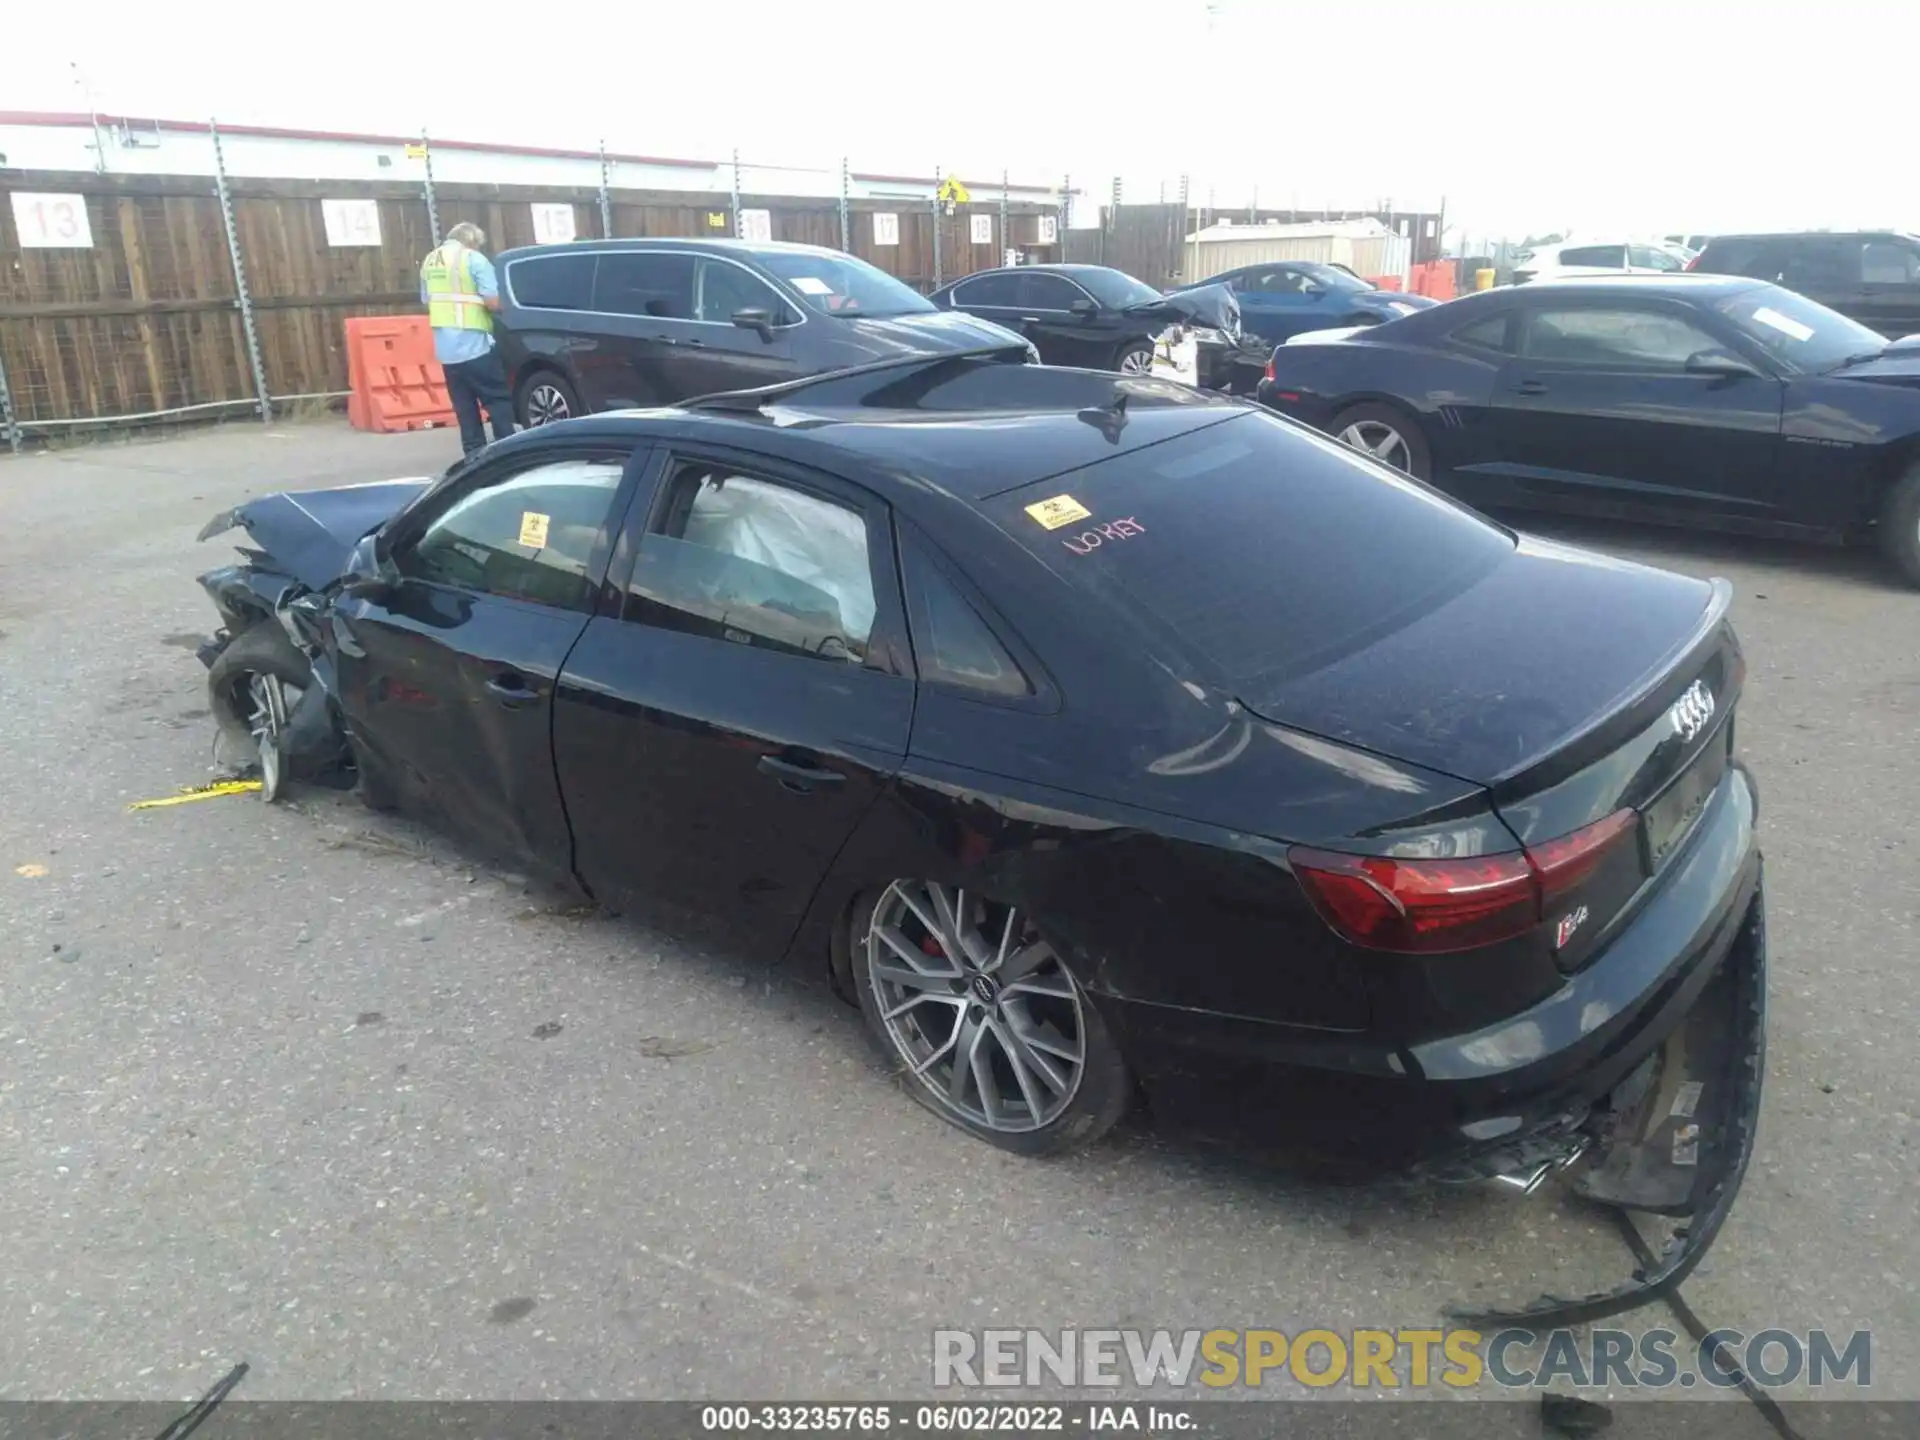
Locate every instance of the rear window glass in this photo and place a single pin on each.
(1269, 551)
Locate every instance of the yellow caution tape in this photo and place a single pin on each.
(199, 792)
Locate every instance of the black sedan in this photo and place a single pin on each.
(1095, 735)
(1697, 400)
(1089, 315)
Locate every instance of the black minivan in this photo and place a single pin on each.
(615, 324)
(1870, 276)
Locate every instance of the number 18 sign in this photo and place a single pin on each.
(52, 222)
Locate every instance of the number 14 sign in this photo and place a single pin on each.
(51, 222)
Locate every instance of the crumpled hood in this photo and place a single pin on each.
(1212, 307)
(310, 533)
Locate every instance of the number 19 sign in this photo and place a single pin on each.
(52, 222)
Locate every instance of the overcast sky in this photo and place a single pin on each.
(1524, 115)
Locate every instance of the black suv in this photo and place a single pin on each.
(1869, 276)
(1089, 316)
(615, 324)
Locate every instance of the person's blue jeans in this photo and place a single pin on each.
(472, 384)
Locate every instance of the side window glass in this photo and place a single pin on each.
(552, 282)
(638, 283)
(952, 645)
(528, 537)
(723, 290)
(1487, 334)
(1049, 292)
(752, 562)
(1630, 339)
(990, 290)
(1887, 262)
(1605, 257)
(1645, 257)
(1818, 264)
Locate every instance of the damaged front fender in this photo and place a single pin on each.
(1211, 307)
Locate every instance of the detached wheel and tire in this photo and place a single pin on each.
(1135, 358)
(542, 398)
(253, 686)
(1899, 529)
(988, 1028)
(1387, 434)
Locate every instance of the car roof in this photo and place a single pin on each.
(1063, 268)
(738, 248)
(966, 427)
(1690, 285)
(1871, 230)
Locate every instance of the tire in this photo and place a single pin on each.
(1899, 529)
(538, 393)
(261, 652)
(1137, 354)
(1048, 1110)
(372, 785)
(1406, 450)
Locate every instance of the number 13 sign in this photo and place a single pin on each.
(52, 222)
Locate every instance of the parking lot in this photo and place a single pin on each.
(311, 1088)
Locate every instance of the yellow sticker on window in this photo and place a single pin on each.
(533, 529)
(1060, 510)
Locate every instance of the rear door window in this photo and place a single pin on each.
(1266, 551)
(1605, 257)
(1820, 262)
(552, 282)
(1757, 258)
(1049, 292)
(991, 291)
(643, 283)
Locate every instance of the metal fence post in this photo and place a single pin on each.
(937, 182)
(6, 410)
(240, 275)
(606, 201)
(1177, 238)
(846, 221)
(433, 210)
(738, 233)
(1066, 212)
(1006, 241)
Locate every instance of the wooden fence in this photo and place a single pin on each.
(148, 323)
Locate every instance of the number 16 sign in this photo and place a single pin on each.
(51, 222)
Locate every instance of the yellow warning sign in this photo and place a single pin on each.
(416, 152)
(953, 192)
(533, 529)
(716, 219)
(1060, 510)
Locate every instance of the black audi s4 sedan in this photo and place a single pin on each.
(1712, 401)
(1100, 738)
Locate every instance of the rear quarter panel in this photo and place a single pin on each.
(1448, 391)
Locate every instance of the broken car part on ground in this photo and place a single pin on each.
(960, 677)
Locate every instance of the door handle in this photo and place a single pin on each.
(1029, 319)
(1531, 387)
(801, 779)
(512, 690)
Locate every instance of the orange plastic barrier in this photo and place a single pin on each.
(1434, 279)
(395, 382)
(1385, 282)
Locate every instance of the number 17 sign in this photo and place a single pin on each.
(51, 222)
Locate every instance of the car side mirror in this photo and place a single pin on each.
(755, 319)
(374, 589)
(1085, 308)
(1720, 363)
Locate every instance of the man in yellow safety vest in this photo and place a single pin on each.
(461, 292)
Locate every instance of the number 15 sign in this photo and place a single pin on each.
(52, 222)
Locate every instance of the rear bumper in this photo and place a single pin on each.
(1482, 1102)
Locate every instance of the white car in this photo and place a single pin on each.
(1598, 257)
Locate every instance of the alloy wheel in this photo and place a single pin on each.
(1137, 362)
(1381, 441)
(545, 404)
(267, 709)
(976, 1005)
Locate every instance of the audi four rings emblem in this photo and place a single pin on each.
(1692, 711)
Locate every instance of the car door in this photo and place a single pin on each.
(544, 321)
(1890, 284)
(995, 296)
(738, 705)
(1278, 302)
(447, 663)
(720, 352)
(1089, 336)
(1600, 410)
(642, 319)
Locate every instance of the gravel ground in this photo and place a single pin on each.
(316, 1090)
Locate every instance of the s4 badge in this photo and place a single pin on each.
(1563, 932)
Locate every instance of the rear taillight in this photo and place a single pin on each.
(1269, 367)
(1434, 907)
(1693, 262)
